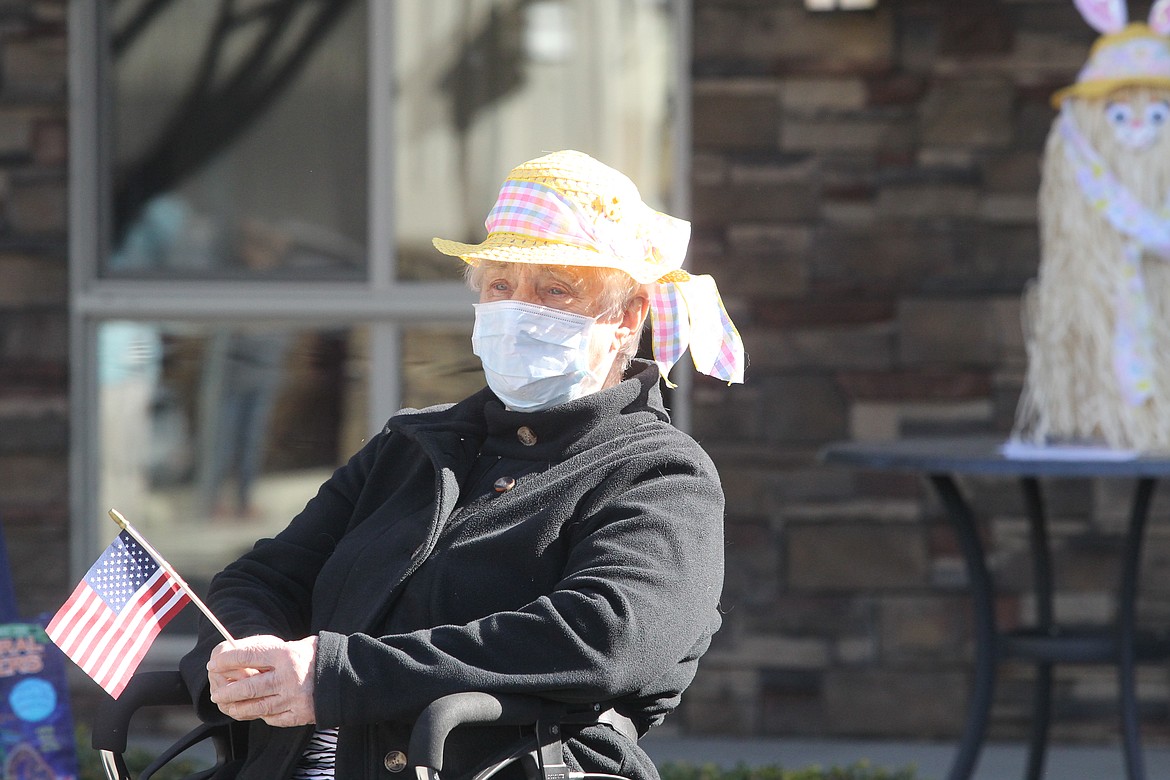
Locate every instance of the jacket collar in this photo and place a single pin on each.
(481, 421)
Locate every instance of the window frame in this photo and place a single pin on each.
(382, 303)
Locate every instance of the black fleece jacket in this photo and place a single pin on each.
(595, 579)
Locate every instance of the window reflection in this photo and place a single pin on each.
(216, 434)
(213, 435)
(438, 365)
(482, 86)
(226, 115)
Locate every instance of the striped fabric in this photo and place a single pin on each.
(319, 758)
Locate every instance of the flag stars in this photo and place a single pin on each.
(120, 572)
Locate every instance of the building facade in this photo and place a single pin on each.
(187, 247)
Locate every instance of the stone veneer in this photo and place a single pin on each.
(34, 344)
(864, 188)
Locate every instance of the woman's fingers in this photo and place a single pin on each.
(264, 677)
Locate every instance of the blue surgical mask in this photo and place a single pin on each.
(534, 356)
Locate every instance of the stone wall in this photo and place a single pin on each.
(34, 360)
(864, 188)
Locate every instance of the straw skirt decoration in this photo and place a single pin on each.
(1097, 318)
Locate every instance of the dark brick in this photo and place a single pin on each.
(803, 408)
(37, 337)
(35, 67)
(32, 281)
(783, 38)
(914, 385)
(725, 204)
(792, 703)
(50, 141)
(817, 615)
(873, 702)
(975, 27)
(844, 557)
(921, 627)
(961, 332)
(730, 413)
(974, 112)
(38, 205)
(1014, 171)
(856, 263)
(991, 259)
(40, 434)
(821, 313)
(30, 480)
(729, 118)
(759, 260)
(752, 567)
(828, 348)
(896, 89)
(20, 375)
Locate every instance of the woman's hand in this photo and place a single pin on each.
(266, 678)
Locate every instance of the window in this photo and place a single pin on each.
(255, 187)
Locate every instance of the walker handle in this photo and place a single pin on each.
(442, 715)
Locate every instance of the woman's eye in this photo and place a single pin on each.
(1118, 113)
(1158, 113)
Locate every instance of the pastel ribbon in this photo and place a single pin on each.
(705, 327)
(529, 208)
(1133, 353)
(1144, 230)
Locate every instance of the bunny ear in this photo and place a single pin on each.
(1104, 16)
(1160, 17)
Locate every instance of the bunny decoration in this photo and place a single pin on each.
(1097, 317)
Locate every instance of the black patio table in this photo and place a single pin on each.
(1121, 644)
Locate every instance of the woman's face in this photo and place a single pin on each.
(558, 288)
(540, 284)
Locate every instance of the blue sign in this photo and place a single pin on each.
(36, 726)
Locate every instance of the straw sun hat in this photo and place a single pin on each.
(566, 208)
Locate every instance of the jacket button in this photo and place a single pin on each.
(504, 484)
(526, 435)
(395, 761)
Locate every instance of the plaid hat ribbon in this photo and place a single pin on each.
(536, 210)
(690, 313)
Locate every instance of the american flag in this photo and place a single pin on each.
(115, 613)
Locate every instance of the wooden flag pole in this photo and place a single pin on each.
(125, 526)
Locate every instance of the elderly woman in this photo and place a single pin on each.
(551, 535)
